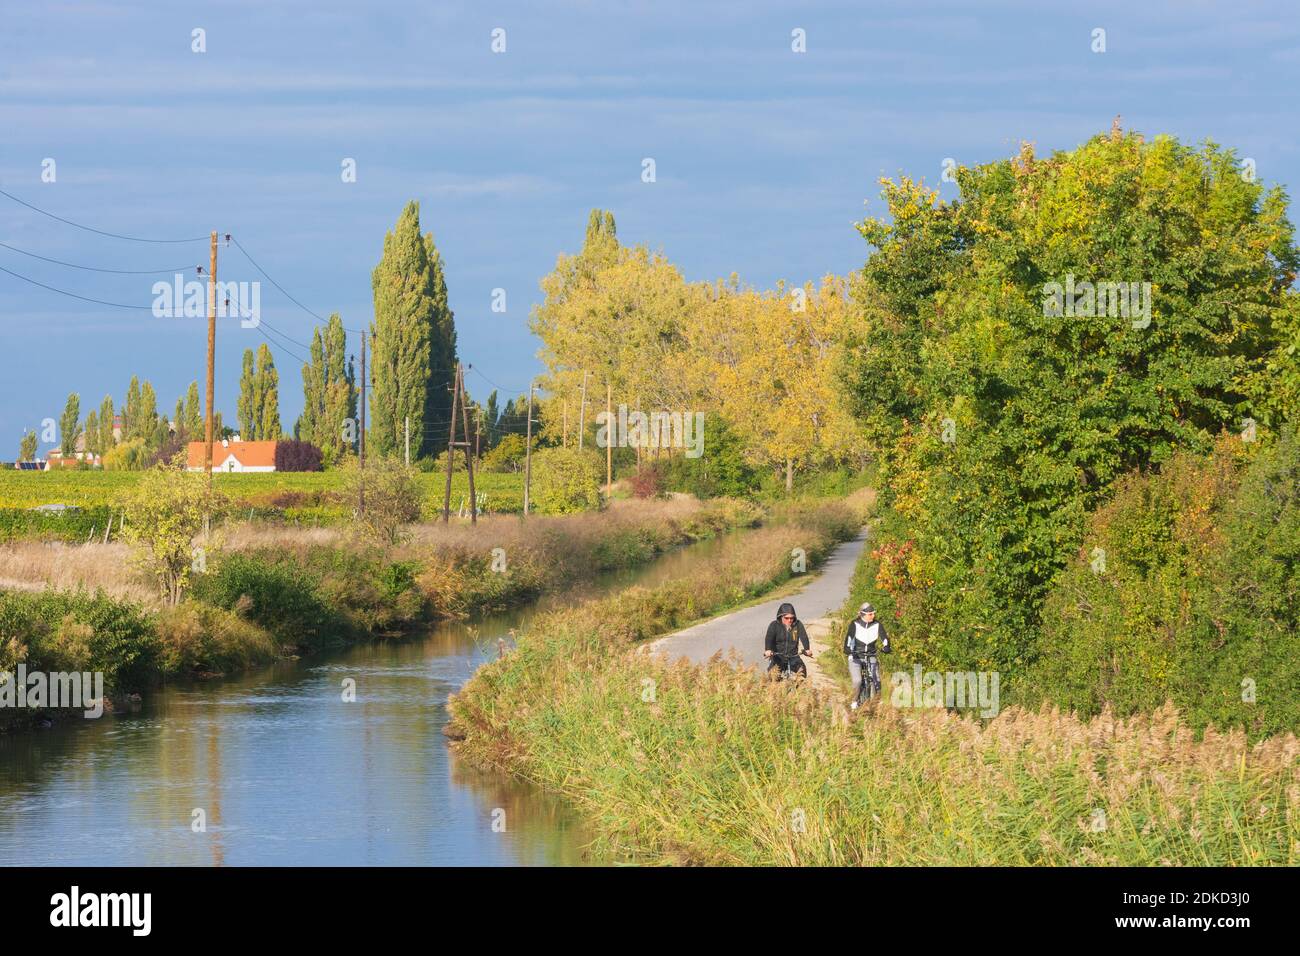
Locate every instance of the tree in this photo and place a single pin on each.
(146, 421)
(131, 410)
(413, 340)
(566, 480)
(91, 431)
(392, 496)
(329, 392)
(268, 393)
(1020, 410)
(194, 423)
(106, 437)
(248, 408)
(27, 448)
(163, 516)
(70, 425)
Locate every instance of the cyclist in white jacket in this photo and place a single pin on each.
(865, 639)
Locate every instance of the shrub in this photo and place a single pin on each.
(647, 481)
(198, 638)
(284, 596)
(392, 497)
(507, 456)
(295, 455)
(163, 516)
(566, 480)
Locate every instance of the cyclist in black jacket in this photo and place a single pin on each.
(782, 641)
(865, 639)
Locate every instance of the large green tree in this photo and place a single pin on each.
(248, 408)
(106, 438)
(268, 391)
(27, 448)
(413, 341)
(193, 414)
(1003, 419)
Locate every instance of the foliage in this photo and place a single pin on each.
(566, 480)
(1002, 425)
(329, 393)
(296, 455)
(392, 496)
(27, 447)
(413, 339)
(163, 516)
(506, 456)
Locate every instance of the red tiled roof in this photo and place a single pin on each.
(248, 453)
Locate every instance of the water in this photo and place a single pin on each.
(281, 771)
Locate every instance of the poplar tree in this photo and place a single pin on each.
(268, 395)
(92, 433)
(147, 418)
(329, 392)
(70, 425)
(193, 415)
(247, 409)
(106, 439)
(27, 449)
(131, 410)
(413, 340)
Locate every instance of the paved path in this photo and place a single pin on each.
(743, 630)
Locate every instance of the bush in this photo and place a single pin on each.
(163, 516)
(297, 455)
(566, 480)
(1187, 589)
(647, 481)
(284, 597)
(392, 497)
(75, 630)
(198, 638)
(507, 456)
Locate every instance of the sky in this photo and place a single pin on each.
(764, 157)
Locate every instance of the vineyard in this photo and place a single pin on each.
(290, 497)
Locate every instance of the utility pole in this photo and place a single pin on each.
(582, 412)
(610, 428)
(451, 444)
(528, 449)
(469, 461)
(212, 348)
(478, 420)
(362, 444)
(408, 441)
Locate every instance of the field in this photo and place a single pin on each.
(293, 497)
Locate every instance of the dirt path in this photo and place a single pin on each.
(742, 631)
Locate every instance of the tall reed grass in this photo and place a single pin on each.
(681, 763)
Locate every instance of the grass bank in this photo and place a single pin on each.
(681, 763)
(274, 593)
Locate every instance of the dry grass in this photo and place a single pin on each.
(37, 565)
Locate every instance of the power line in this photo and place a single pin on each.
(268, 278)
(73, 265)
(83, 298)
(99, 232)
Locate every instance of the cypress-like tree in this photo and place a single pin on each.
(70, 425)
(27, 448)
(92, 433)
(106, 439)
(329, 391)
(413, 340)
(247, 410)
(193, 414)
(268, 395)
(147, 419)
(131, 410)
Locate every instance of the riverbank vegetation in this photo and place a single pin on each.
(680, 763)
(270, 592)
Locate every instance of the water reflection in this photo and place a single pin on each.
(276, 768)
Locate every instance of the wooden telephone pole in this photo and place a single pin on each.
(460, 401)
(212, 348)
(582, 412)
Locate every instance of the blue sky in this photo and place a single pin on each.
(764, 157)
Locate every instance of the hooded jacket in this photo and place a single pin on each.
(783, 641)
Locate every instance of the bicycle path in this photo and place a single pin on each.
(822, 595)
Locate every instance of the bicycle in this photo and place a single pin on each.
(783, 666)
(869, 686)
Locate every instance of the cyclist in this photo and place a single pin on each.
(781, 644)
(864, 639)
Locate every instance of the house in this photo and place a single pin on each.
(233, 456)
